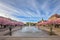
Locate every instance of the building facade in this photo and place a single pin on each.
(55, 16)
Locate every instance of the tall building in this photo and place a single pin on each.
(55, 16)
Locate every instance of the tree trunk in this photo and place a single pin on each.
(51, 30)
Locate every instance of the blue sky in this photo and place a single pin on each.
(29, 10)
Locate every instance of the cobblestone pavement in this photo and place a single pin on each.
(55, 30)
(29, 38)
(7, 31)
(44, 37)
(41, 33)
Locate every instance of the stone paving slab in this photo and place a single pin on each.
(55, 30)
(29, 38)
(7, 31)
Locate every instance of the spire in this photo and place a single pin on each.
(42, 20)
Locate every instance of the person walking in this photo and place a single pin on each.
(10, 29)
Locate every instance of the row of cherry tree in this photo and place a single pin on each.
(8, 22)
(50, 22)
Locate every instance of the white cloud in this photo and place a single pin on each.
(7, 10)
(56, 9)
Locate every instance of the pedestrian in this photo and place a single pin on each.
(10, 29)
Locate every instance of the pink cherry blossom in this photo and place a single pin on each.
(57, 21)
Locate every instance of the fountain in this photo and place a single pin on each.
(30, 29)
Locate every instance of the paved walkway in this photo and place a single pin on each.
(29, 38)
(19, 33)
(7, 31)
(55, 30)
